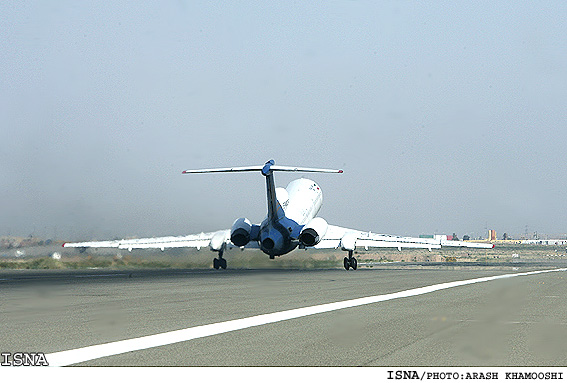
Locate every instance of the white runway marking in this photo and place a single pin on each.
(65, 358)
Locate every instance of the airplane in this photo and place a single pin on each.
(291, 222)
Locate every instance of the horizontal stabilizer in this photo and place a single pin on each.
(225, 170)
(268, 166)
(309, 170)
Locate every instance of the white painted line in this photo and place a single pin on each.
(65, 358)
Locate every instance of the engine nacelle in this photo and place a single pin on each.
(313, 232)
(240, 232)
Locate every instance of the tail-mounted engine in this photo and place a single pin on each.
(313, 232)
(240, 232)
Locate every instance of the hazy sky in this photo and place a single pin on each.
(445, 116)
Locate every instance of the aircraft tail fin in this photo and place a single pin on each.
(267, 171)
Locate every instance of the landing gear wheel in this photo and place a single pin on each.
(350, 261)
(219, 263)
(353, 263)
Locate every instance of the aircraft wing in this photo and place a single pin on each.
(349, 239)
(215, 240)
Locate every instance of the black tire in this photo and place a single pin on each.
(346, 263)
(222, 262)
(216, 263)
(353, 263)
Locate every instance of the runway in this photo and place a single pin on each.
(512, 321)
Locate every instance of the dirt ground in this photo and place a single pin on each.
(43, 257)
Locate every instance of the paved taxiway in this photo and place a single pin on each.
(517, 321)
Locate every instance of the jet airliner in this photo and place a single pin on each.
(291, 222)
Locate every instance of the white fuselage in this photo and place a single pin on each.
(304, 200)
(300, 201)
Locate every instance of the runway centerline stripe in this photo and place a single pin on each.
(78, 355)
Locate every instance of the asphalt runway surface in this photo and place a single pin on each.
(517, 321)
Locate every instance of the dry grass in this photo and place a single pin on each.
(193, 259)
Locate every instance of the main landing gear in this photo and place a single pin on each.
(350, 262)
(219, 262)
